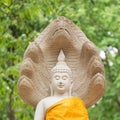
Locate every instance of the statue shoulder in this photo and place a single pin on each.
(45, 100)
(48, 101)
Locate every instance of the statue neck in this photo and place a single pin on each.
(62, 95)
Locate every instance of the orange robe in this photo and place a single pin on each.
(72, 108)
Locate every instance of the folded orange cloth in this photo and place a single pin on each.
(72, 108)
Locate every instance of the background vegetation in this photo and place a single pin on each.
(21, 21)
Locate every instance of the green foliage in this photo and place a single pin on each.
(21, 21)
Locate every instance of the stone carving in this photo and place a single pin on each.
(61, 105)
(61, 72)
(81, 56)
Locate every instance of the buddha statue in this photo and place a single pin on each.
(61, 65)
(61, 105)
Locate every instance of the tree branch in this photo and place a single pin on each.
(11, 111)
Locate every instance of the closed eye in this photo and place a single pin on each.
(64, 77)
(57, 77)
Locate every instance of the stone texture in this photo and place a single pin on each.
(81, 56)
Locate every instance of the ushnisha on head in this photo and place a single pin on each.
(61, 66)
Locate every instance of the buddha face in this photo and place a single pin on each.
(61, 82)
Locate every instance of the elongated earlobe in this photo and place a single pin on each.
(51, 89)
(70, 89)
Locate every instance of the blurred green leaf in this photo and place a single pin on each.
(22, 21)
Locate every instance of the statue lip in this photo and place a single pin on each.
(61, 29)
(60, 85)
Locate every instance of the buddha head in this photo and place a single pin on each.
(61, 76)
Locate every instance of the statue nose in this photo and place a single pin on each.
(61, 81)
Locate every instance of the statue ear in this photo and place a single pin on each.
(71, 81)
(70, 89)
(51, 90)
